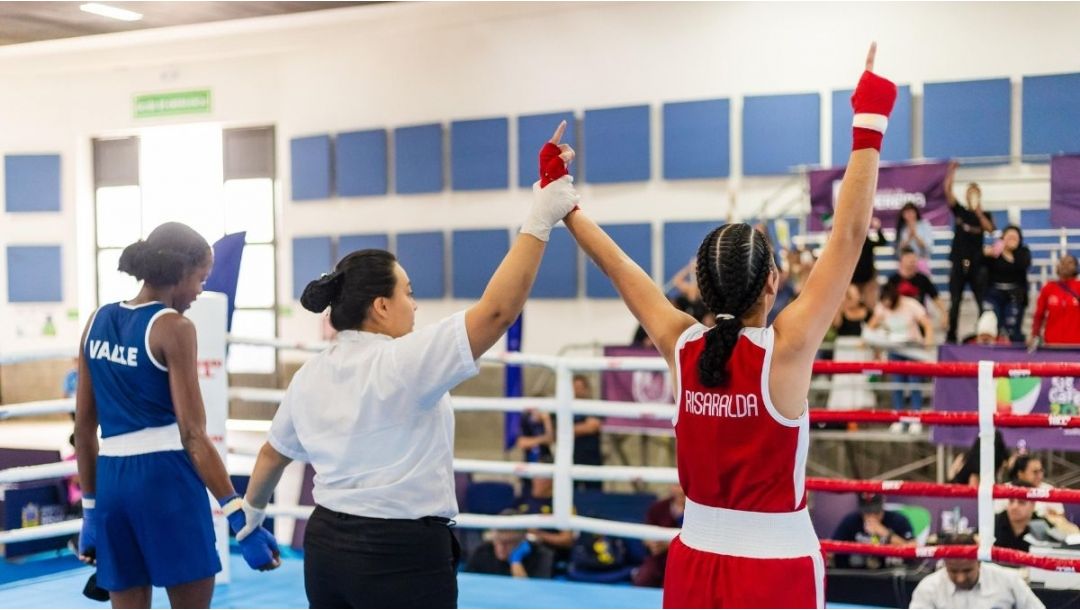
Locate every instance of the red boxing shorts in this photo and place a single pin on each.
(700, 579)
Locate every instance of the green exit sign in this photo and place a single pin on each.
(196, 101)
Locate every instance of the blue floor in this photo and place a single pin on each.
(62, 584)
(284, 588)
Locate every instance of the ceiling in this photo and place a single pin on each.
(33, 21)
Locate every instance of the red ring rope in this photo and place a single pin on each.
(940, 490)
(945, 418)
(998, 554)
(950, 369)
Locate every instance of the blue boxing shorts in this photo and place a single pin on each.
(154, 522)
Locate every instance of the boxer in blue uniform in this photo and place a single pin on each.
(147, 519)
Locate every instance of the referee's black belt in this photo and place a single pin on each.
(375, 520)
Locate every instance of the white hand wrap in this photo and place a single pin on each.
(550, 204)
(253, 520)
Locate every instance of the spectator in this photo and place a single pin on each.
(916, 234)
(539, 503)
(967, 583)
(1029, 469)
(913, 283)
(1058, 308)
(969, 226)
(873, 524)
(865, 275)
(903, 317)
(1013, 523)
(663, 513)
(537, 432)
(986, 331)
(1007, 274)
(852, 315)
(586, 434)
(965, 468)
(509, 553)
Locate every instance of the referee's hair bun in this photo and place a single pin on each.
(319, 293)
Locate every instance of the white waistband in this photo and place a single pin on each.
(147, 440)
(741, 533)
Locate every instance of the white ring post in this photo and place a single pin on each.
(987, 463)
(564, 447)
(209, 313)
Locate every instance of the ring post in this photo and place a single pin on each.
(987, 464)
(564, 446)
(209, 313)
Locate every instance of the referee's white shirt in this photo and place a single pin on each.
(372, 416)
(998, 587)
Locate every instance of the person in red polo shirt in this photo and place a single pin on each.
(1057, 314)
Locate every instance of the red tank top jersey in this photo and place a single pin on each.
(734, 450)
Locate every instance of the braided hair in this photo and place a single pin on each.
(733, 264)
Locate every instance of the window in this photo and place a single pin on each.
(217, 182)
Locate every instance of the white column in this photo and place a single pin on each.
(209, 313)
(564, 447)
(987, 463)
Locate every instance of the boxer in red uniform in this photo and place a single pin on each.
(741, 424)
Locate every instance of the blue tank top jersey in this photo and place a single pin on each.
(131, 388)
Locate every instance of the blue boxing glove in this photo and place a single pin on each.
(88, 535)
(520, 552)
(258, 546)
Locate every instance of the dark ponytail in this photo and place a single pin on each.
(355, 283)
(169, 253)
(733, 264)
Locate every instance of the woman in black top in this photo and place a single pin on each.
(1008, 282)
(865, 276)
(852, 315)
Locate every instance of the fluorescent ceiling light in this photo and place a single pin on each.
(110, 11)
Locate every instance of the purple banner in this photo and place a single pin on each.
(635, 386)
(1021, 395)
(1065, 191)
(922, 184)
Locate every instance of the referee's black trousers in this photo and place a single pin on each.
(361, 562)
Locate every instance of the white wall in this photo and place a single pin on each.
(394, 65)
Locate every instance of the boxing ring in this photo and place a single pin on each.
(564, 473)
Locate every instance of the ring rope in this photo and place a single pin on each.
(998, 554)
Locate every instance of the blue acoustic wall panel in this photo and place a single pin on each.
(697, 139)
(1031, 220)
(681, 241)
(361, 165)
(34, 274)
(533, 131)
(1051, 114)
(967, 119)
(476, 255)
(352, 243)
(423, 256)
(311, 175)
(311, 257)
(617, 144)
(418, 159)
(780, 132)
(479, 155)
(558, 274)
(32, 183)
(897, 144)
(636, 241)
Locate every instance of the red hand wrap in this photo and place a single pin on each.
(866, 138)
(873, 95)
(552, 166)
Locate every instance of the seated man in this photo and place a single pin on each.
(874, 525)
(539, 503)
(1015, 522)
(509, 553)
(667, 512)
(967, 583)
